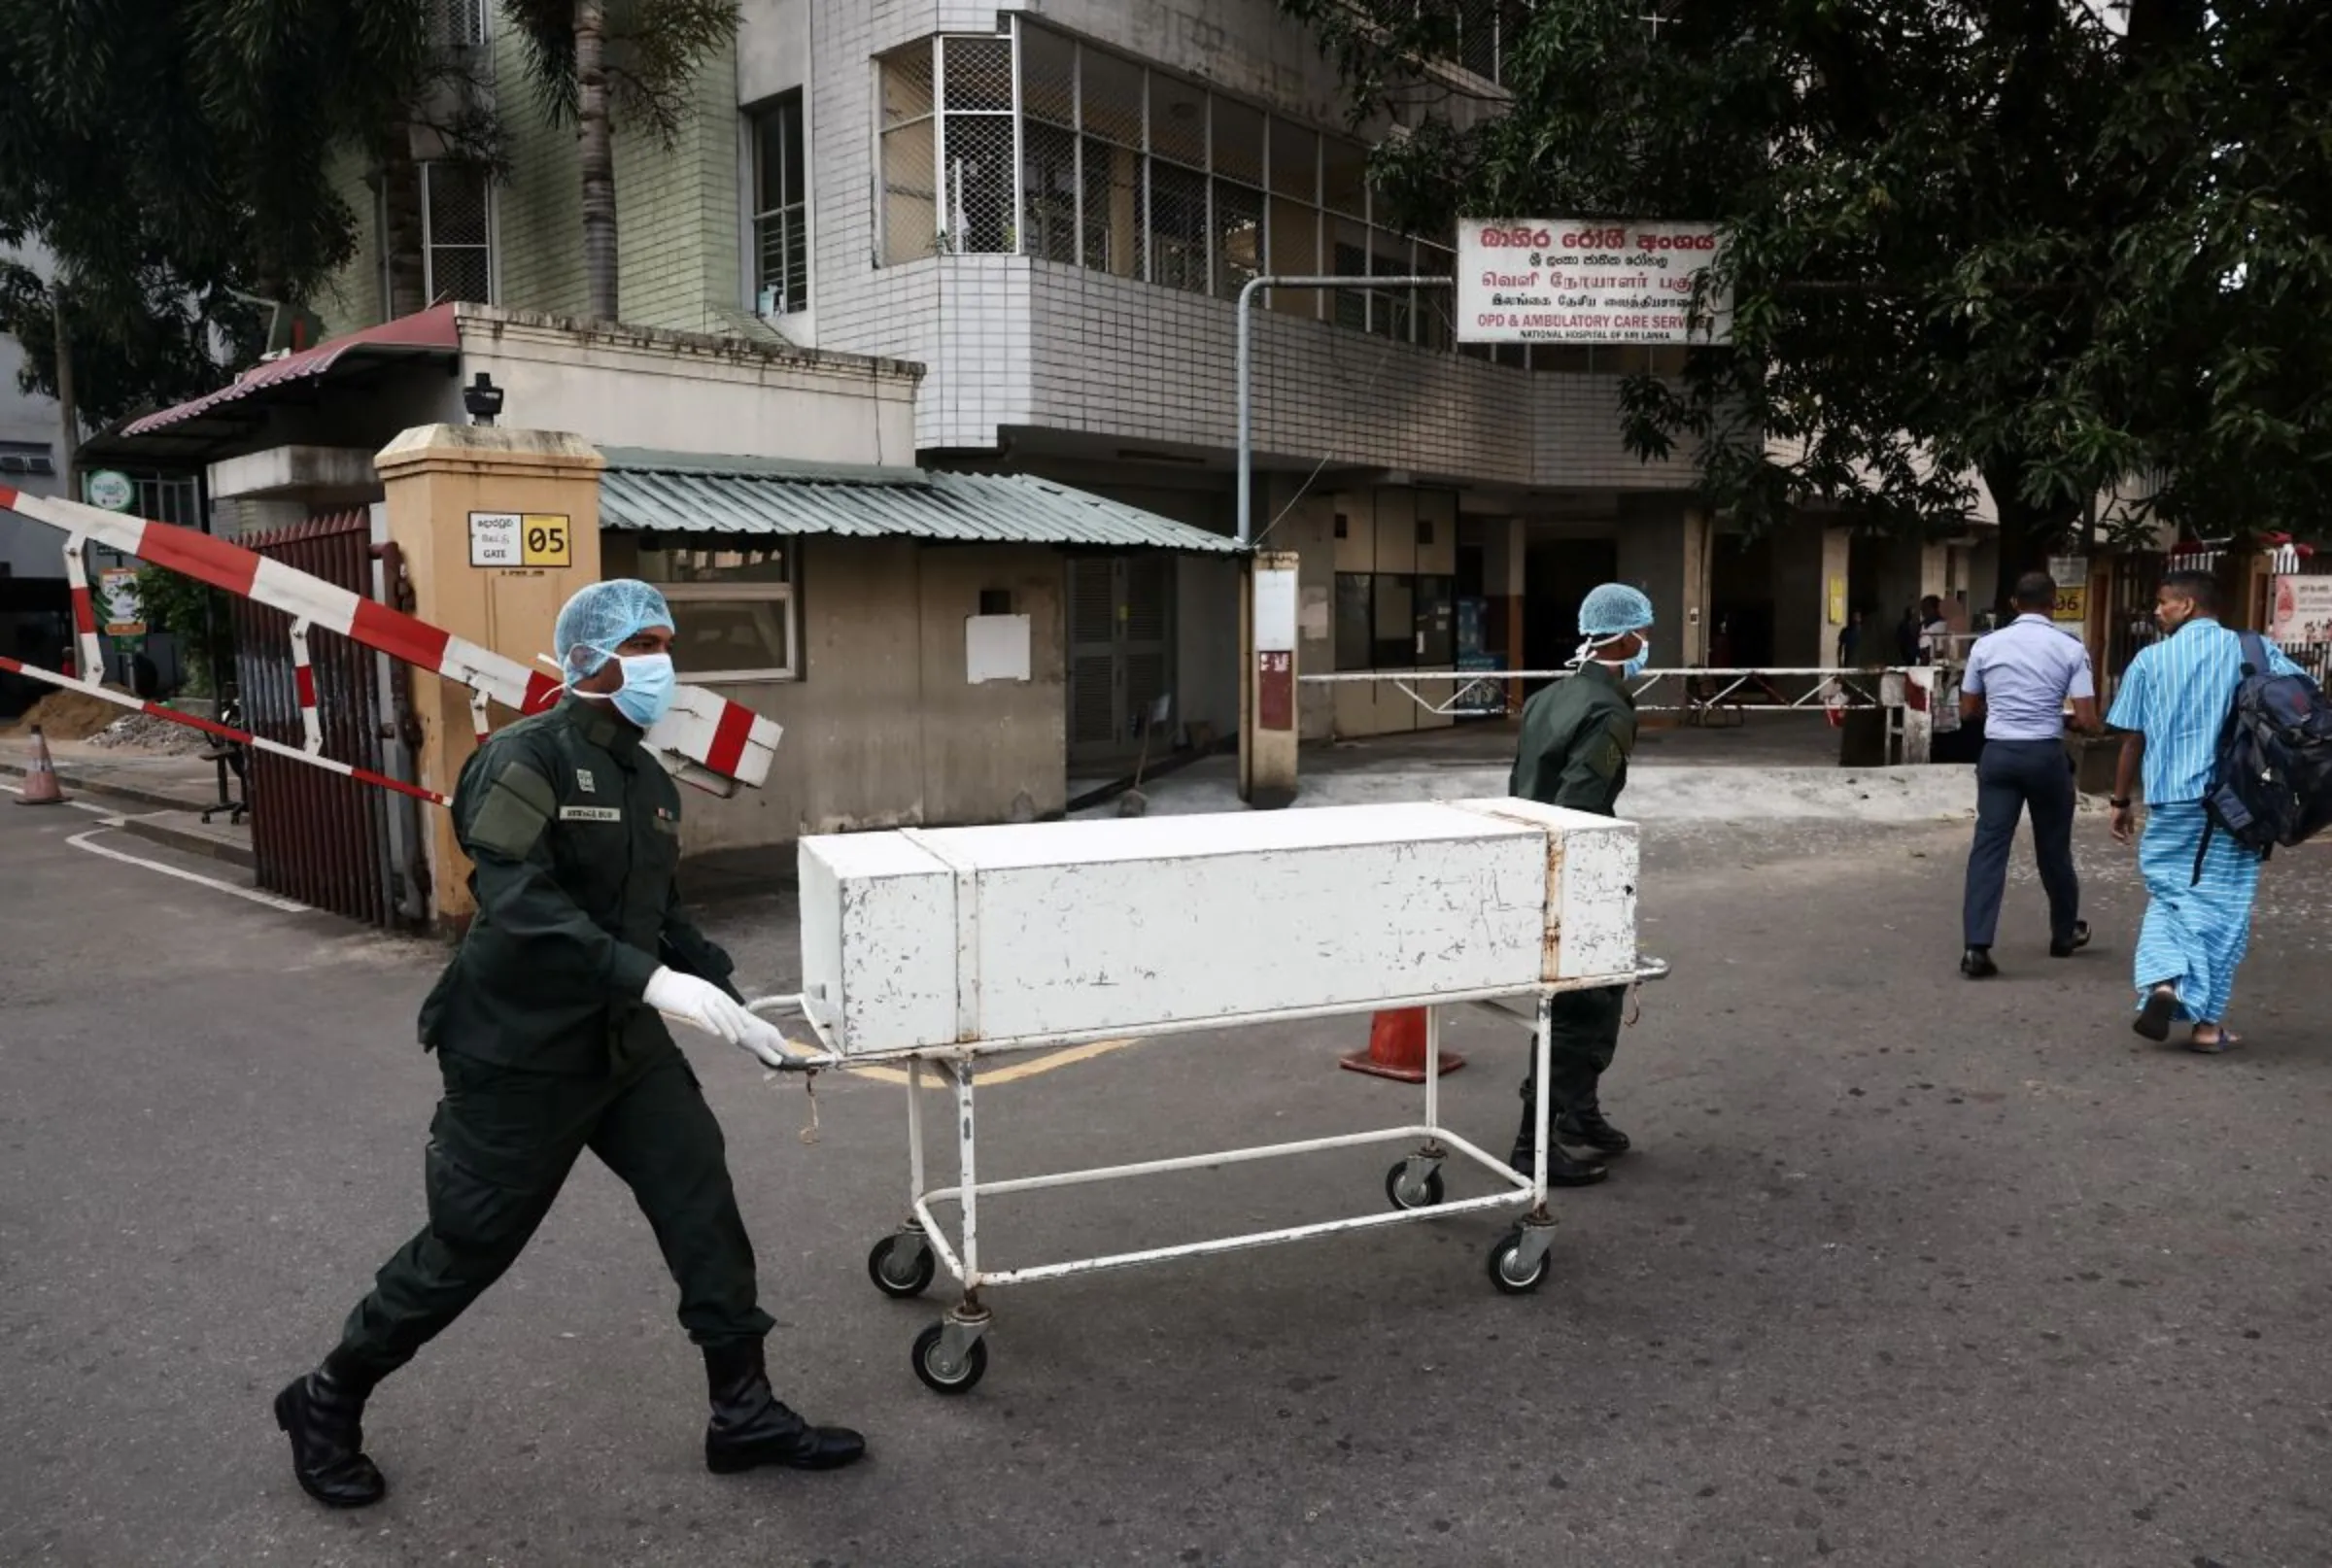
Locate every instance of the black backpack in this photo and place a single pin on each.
(2272, 783)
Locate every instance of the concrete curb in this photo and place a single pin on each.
(192, 838)
(73, 779)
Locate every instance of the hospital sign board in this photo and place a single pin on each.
(1567, 280)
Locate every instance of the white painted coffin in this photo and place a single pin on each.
(916, 938)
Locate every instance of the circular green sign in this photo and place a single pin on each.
(111, 491)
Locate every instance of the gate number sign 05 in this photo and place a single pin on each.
(519, 539)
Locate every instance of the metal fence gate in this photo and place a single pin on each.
(1120, 650)
(316, 836)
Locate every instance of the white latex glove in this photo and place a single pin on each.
(701, 1003)
(766, 1043)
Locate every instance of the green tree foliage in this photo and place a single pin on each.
(593, 60)
(197, 615)
(2062, 244)
(173, 156)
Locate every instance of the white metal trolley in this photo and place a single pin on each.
(939, 948)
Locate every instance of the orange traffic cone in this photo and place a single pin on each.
(40, 780)
(1396, 1049)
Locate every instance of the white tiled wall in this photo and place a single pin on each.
(1011, 341)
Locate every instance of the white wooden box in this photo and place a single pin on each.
(916, 938)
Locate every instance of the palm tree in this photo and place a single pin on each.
(592, 59)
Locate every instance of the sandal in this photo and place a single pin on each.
(2154, 1019)
(2226, 1040)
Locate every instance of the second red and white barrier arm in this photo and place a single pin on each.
(122, 700)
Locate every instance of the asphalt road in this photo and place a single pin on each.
(1905, 1271)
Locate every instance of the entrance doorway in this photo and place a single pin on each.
(1120, 652)
(1556, 574)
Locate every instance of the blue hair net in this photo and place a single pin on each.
(1613, 610)
(600, 617)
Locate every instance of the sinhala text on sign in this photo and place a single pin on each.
(1555, 280)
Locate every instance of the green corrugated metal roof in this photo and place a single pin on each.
(675, 493)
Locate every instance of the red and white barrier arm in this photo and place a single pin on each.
(703, 735)
(122, 700)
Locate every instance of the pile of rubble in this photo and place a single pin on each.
(141, 732)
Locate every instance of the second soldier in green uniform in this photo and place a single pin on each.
(1577, 736)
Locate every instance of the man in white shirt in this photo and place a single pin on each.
(2020, 679)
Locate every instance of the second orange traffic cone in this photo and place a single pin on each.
(1396, 1049)
(41, 787)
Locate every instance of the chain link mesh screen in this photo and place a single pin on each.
(455, 23)
(979, 184)
(911, 188)
(460, 261)
(978, 72)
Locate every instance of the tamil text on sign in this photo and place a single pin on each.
(1559, 279)
(515, 540)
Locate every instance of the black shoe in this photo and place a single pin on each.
(323, 1414)
(1562, 1170)
(2080, 939)
(1976, 963)
(750, 1428)
(1584, 1127)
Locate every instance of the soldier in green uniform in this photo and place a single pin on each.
(1576, 737)
(549, 1040)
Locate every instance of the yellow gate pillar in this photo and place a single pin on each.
(496, 528)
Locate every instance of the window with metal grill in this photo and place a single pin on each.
(458, 23)
(1028, 142)
(780, 210)
(457, 232)
(735, 609)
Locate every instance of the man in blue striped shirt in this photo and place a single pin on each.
(2173, 703)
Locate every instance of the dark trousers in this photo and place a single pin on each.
(1585, 1037)
(500, 1148)
(2013, 775)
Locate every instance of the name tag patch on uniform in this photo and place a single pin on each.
(583, 781)
(591, 813)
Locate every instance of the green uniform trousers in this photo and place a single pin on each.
(1583, 1038)
(500, 1148)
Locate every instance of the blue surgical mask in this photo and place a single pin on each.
(650, 683)
(1641, 660)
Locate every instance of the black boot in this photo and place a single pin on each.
(323, 1414)
(1562, 1170)
(749, 1427)
(1584, 1127)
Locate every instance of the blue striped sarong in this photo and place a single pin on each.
(2196, 931)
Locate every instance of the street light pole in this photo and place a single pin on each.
(1246, 340)
(1268, 724)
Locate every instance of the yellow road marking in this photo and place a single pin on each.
(1006, 1074)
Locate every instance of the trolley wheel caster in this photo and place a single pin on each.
(1422, 1195)
(941, 1377)
(899, 1277)
(1510, 1273)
